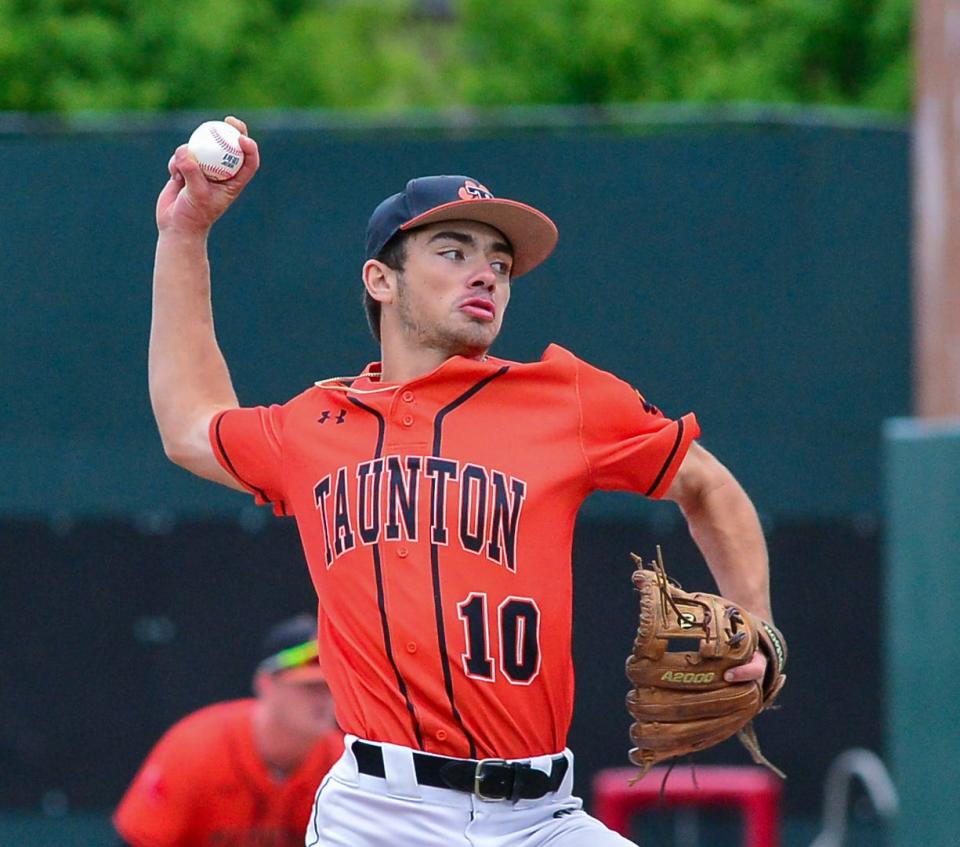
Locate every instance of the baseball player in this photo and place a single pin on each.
(241, 773)
(435, 495)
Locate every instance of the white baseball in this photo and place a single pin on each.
(216, 147)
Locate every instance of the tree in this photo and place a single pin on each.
(74, 55)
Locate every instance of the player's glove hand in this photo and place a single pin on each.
(685, 642)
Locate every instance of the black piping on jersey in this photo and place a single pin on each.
(435, 557)
(259, 491)
(381, 603)
(666, 464)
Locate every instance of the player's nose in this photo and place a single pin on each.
(485, 277)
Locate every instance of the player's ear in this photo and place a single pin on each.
(261, 683)
(380, 280)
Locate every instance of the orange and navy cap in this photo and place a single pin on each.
(429, 199)
(290, 648)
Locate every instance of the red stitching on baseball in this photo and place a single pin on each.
(226, 145)
(214, 169)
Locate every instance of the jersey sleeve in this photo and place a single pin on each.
(158, 808)
(628, 443)
(248, 443)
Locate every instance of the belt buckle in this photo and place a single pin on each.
(478, 778)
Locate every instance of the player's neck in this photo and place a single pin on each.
(402, 363)
(281, 750)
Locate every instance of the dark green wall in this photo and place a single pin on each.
(757, 276)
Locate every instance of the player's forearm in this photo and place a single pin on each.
(725, 526)
(188, 375)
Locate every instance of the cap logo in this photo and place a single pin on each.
(471, 190)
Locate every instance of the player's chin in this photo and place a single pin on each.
(481, 330)
(476, 340)
(313, 726)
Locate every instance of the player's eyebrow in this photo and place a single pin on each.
(469, 241)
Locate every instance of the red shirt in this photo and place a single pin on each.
(205, 785)
(437, 521)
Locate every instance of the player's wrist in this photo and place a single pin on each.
(184, 235)
(773, 645)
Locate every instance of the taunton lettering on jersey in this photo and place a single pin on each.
(478, 508)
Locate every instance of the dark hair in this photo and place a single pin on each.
(393, 255)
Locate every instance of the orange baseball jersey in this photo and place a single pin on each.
(437, 520)
(205, 785)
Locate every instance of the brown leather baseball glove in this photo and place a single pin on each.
(680, 701)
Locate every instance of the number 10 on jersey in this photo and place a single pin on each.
(516, 631)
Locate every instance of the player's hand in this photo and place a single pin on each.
(752, 670)
(189, 202)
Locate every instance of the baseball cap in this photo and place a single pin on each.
(290, 648)
(428, 199)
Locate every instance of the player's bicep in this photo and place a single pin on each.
(699, 472)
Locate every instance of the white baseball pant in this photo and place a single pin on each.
(356, 809)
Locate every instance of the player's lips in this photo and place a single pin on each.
(479, 307)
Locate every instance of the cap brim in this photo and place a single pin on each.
(302, 673)
(530, 232)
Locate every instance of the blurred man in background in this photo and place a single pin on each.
(241, 773)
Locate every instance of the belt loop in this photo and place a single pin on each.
(519, 768)
(566, 784)
(399, 772)
(347, 767)
(543, 763)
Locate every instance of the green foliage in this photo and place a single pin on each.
(73, 55)
(595, 51)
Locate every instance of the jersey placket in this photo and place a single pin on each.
(412, 428)
(395, 431)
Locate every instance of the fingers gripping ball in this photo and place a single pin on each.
(216, 147)
(680, 701)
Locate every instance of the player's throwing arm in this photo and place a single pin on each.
(189, 380)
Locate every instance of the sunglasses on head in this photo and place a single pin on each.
(291, 657)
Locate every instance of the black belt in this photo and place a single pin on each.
(489, 779)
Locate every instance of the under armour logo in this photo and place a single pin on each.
(326, 416)
(648, 407)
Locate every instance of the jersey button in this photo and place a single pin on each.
(411, 646)
(403, 552)
(407, 396)
(407, 420)
(441, 735)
